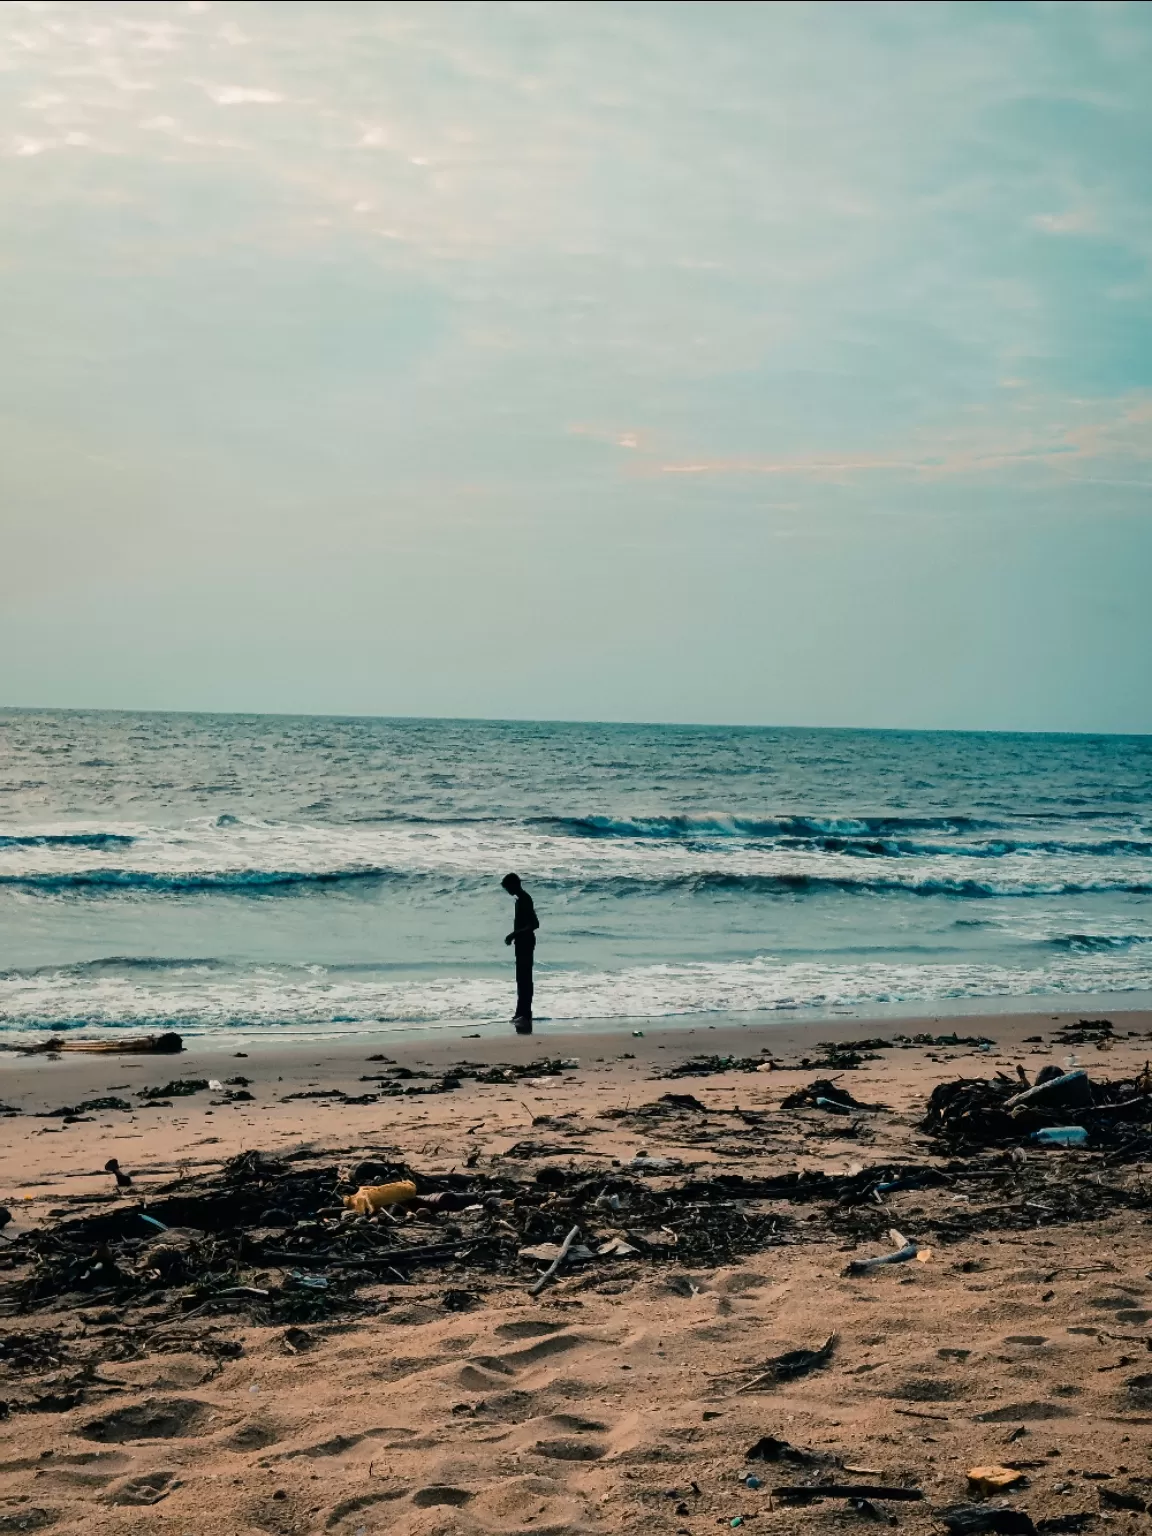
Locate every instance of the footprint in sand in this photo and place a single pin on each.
(149, 1488)
(441, 1493)
(357, 1505)
(534, 1504)
(1022, 1413)
(33, 1518)
(483, 1372)
(254, 1436)
(155, 1419)
(528, 1328)
(570, 1450)
(338, 1444)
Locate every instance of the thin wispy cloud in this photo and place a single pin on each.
(484, 261)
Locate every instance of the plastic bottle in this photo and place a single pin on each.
(1061, 1136)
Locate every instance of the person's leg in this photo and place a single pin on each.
(523, 1019)
(524, 986)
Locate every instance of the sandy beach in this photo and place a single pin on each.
(619, 1398)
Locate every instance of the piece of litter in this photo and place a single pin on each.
(986, 1481)
(906, 1249)
(547, 1253)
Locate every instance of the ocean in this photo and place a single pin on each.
(316, 876)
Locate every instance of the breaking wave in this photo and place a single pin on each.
(95, 840)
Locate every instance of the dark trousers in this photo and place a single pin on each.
(525, 949)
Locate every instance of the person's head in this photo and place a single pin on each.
(511, 884)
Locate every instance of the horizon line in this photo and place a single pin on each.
(690, 725)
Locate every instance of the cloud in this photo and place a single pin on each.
(1071, 223)
(238, 95)
(1101, 434)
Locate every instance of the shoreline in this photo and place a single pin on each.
(894, 1016)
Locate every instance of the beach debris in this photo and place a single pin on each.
(370, 1198)
(1085, 1032)
(1116, 1114)
(808, 1493)
(86, 1107)
(1066, 1090)
(824, 1094)
(682, 1101)
(123, 1180)
(178, 1088)
(261, 1218)
(794, 1363)
(554, 1267)
(643, 1163)
(974, 1519)
(167, 1044)
(1120, 1498)
(769, 1448)
(906, 1249)
(547, 1253)
(709, 1066)
(985, 1482)
(616, 1248)
(1061, 1136)
(456, 1300)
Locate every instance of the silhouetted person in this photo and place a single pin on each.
(523, 936)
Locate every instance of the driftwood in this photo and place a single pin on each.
(168, 1044)
(556, 1262)
(907, 1250)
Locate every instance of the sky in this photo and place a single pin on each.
(748, 363)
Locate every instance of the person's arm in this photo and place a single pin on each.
(528, 925)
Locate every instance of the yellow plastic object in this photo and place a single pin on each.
(370, 1198)
(987, 1481)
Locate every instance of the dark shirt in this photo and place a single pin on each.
(525, 923)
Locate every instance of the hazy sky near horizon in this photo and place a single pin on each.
(707, 362)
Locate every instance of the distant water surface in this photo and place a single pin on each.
(215, 872)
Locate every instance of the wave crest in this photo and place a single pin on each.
(93, 840)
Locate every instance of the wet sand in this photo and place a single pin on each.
(611, 1402)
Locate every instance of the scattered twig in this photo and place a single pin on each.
(556, 1262)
